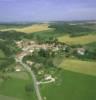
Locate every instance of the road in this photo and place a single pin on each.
(36, 86)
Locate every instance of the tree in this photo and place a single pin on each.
(29, 88)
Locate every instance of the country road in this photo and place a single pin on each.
(36, 86)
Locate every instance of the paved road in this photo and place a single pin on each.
(36, 86)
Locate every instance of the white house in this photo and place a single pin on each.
(81, 51)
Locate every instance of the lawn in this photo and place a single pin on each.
(71, 86)
(85, 67)
(78, 40)
(16, 88)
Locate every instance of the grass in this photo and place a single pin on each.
(18, 75)
(71, 86)
(75, 65)
(16, 88)
(30, 29)
(78, 40)
(7, 98)
(2, 55)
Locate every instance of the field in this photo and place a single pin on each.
(10, 25)
(71, 86)
(19, 75)
(15, 88)
(7, 98)
(30, 29)
(85, 67)
(75, 79)
(78, 40)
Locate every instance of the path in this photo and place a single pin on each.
(36, 86)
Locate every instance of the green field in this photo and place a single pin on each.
(16, 88)
(77, 40)
(2, 97)
(71, 86)
(85, 67)
(12, 86)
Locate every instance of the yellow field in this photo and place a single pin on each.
(75, 65)
(77, 40)
(30, 29)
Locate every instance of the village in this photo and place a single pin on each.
(28, 47)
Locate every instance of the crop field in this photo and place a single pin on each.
(70, 86)
(85, 67)
(78, 40)
(30, 29)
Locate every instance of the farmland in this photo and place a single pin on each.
(30, 29)
(85, 67)
(13, 25)
(55, 54)
(15, 88)
(78, 40)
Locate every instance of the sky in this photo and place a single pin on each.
(47, 10)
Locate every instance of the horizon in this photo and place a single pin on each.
(47, 10)
(34, 22)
